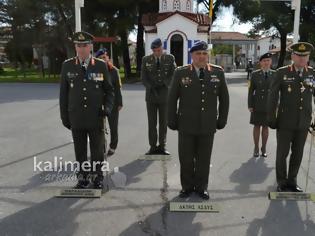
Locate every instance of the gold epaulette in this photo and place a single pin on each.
(72, 58)
(214, 66)
(184, 67)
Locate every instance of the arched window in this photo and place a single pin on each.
(188, 5)
(176, 5)
(164, 5)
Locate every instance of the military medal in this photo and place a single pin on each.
(289, 89)
(186, 81)
(302, 87)
(71, 85)
(97, 86)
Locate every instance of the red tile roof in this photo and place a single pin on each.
(105, 39)
(151, 19)
(229, 36)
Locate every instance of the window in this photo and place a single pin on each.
(164, 5)
(176, 5)
(188, 5)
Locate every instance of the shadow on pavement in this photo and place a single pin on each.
(254, 171)
(282, 218)
(51, 217)
(165, 222)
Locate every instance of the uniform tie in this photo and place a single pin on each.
(158, 64)
(83, 67)
(201, 74)
(300, 72)
(266, 75)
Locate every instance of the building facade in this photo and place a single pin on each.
(178, 25)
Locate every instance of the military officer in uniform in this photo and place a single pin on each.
(114, 116)
(203, 108)
(86, 97)
(156, 73)
(249, 68)
(292, 116)
(258, 88)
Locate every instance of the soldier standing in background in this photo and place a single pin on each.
(156, 73)
(249, 69)
(258, 89)
(118, 104)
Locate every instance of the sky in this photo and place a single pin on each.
(224, 22)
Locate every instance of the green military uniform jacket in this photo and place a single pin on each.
(85, 98)
(294, 110)
(258, 89)
(202, 108)
(156, 81)
(116, 82)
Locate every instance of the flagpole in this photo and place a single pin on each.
(210, 27)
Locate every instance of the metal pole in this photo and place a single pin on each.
(233, 58)
(78, 4)
(111, 51)
(309, 161)
(296, 5)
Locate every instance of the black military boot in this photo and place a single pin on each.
(110, 152)
(83, 181)
(185, 193)
(98, 182)
(82, 184)
(162, 150)
(152, 151)
(204, 194)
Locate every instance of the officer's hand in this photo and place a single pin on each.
(272, 124)
(66, 124)
(251, 109)
(311, 130)
(172, 125)
(107, 112)
(220, 124)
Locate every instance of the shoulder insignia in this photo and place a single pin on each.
(184, 67)
(286, 68)
(215, 66)
(110, 65)
(70, 59)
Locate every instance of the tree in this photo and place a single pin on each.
(216, 7)
(307, 23)
(143, 6)
(112, 17)
(28, 24)
(266, 15)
